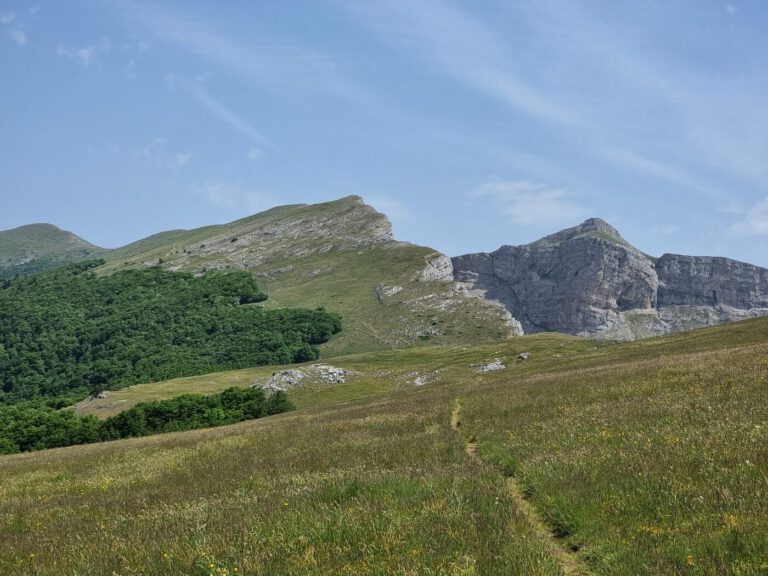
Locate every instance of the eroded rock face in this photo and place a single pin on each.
(709, 281)
(589, 281)
(438, 267)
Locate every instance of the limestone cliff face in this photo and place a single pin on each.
(589, 281)
(707, 281)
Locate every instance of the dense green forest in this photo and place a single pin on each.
(28, 426)
(68, 333)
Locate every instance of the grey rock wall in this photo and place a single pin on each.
(589, 281)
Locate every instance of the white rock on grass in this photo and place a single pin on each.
(293, 378)
(492, 366)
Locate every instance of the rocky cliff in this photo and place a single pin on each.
(589, 281)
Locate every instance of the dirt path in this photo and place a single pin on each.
(568, 560)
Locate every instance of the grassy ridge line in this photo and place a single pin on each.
(333, 255)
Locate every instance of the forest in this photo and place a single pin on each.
(69, 333)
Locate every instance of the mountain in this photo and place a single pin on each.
(340, 255)
(589, 281)
(36, 247)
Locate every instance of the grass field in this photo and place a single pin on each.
(640, 458)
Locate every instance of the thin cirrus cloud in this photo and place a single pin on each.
(528, 203)
(89, 56)
(19, 37)
(280, 66)
(581, 67)
(659, 169)
(395, 210)
(15, 34)
(198, 90)
(233, 195)
(711, 124)
(754, 220)
(183, 158)
(461, 47)
(157, 153)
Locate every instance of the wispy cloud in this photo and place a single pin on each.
(461, 47)
(395, 210)
(531, 204)
(159, 153)
(19, 37)
(198, 90)
(591, 84)
(85, 56)
(82, 56)
(255, 153)
(258, 202)
(129, 70)
(14, 33)
(665, 229)
(235, 196)
(273, 65)
(754, 220)
(154, 150)
(713, 123)
(183, 158)
(659, 169)
(223, 195)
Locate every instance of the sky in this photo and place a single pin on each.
(471, 124)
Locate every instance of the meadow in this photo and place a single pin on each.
(587, 458)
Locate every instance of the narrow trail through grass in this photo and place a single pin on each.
(567, 560)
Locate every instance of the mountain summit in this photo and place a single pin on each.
(593, 227)
(589, 281)
(36, 247)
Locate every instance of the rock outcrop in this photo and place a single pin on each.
(589, 281)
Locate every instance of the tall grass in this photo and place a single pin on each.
(642, 458)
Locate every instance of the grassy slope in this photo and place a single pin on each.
(335, 263)
(36, 247)
(648, 458)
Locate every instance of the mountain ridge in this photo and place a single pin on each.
(585, 280)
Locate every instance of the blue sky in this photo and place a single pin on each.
(471, 124)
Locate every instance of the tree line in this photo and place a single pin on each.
(31, 426)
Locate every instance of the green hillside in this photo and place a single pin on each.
(36, 247)
(340, 255)
(587, 457)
